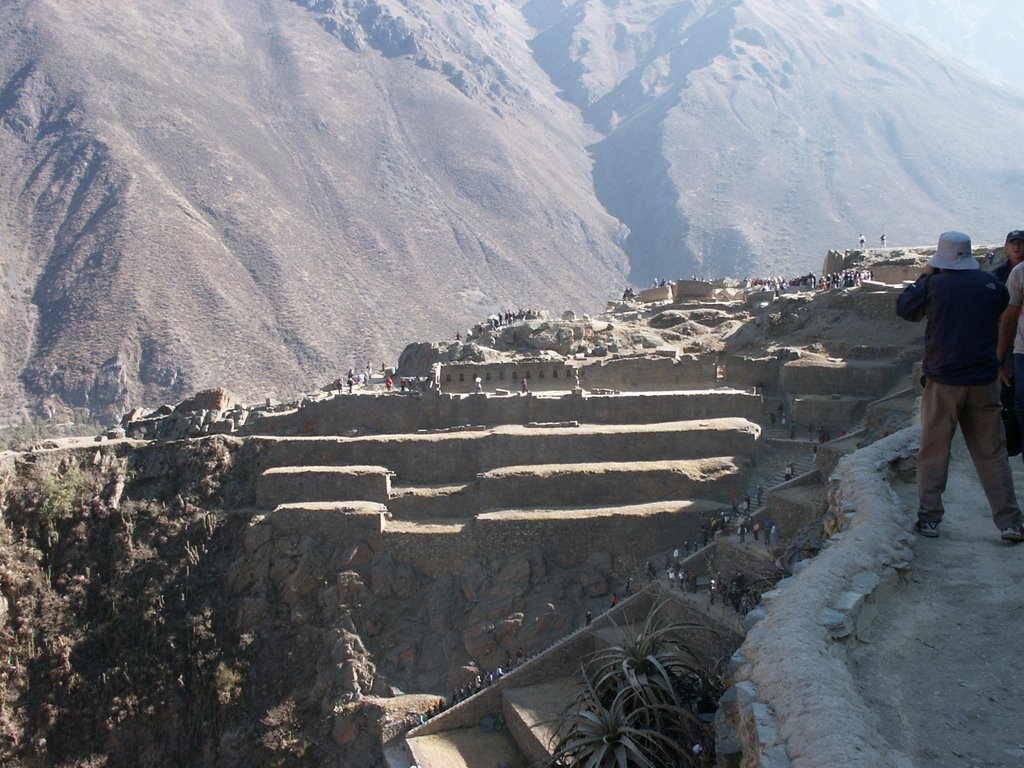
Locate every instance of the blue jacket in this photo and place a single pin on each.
(963, 308)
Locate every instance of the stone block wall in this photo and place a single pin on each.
(542, 375)
(639, 374)
(691, 289)
(746, 372)
(403, 414)
(896, 274)
(827, 377)
(788, 513)
(424, 504)
(281, 485)
(437, 551)
(836, 413)
(575, 485)
(526, 738)
(655, 294)
(337, 522)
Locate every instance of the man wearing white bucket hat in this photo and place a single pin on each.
(961, 381)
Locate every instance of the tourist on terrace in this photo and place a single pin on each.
(961, 379)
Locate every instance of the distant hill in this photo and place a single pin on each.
(261, 195)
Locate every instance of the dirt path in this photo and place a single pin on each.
(942, 665)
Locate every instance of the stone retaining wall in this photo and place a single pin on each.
(460, 456)
(787, 515)
(281, 485)
(337, 522)
(582, 485)
(834, 412)
(421, 504)
(644, 374)
(525, 737)
(746, 372)
(403, 414)
(565, 536)
(542, 375)
(809, 376)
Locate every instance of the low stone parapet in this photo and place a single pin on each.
(793, 665)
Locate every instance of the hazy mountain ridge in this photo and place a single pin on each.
(768, 131)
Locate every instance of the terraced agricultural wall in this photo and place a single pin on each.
(404, 414)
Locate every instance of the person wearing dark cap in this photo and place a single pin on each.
(1014, 250)
(961, 381)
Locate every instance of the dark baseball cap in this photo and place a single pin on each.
(1017, 234)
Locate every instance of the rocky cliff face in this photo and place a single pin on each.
(148, 615)
(262, 195)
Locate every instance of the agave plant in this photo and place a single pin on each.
(640, 703)
(619, 734)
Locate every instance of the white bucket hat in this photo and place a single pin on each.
(954, 252)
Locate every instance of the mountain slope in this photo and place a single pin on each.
(746, 137)
(224, 193)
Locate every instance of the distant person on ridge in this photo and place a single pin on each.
(961, 381)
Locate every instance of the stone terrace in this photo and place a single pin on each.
(443, 497)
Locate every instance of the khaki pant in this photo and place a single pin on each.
(977, 410)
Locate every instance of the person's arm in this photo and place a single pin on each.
(1007, 330)
(912, 303)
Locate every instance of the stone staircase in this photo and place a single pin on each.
(516, 717)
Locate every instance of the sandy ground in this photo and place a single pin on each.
(941, 664)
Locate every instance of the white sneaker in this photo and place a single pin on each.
(1013, 534)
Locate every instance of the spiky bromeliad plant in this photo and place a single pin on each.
(641, 702)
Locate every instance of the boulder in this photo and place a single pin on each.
(218, 399)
